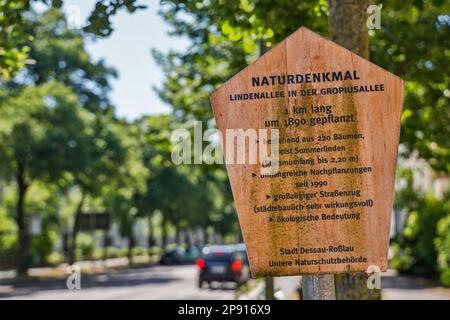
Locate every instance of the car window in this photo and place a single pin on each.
(218, 256)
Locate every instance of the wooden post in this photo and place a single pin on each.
(318, 287)
(269, 288)
(347, 25)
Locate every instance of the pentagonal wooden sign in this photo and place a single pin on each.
(326, 207)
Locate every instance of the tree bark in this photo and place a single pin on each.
(24, 237)
(164, 231)
(347, 26)
(130, 247)
(269, 290)
(151, 240)
(318, 287)
(205, 237)
(177, 232)
(106, 244)
(188, 238)
(76, 228)
(353, 286)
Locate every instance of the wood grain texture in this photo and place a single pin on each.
(376, 117)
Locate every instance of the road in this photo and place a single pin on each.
(179, 282)
(155, 282)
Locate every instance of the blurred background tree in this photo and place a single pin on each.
(67, 153)
(38, 133)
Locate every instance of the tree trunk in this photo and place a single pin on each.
(164, 232)
(269, 288)
(188, 238)
(347, 26)
(76, 228)
(130, 247)
(353, 286)
(66, 248)
(205, 237)
(106, 244)
(24, 236)
(177, 232)
(151, 240)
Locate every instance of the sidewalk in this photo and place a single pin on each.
(285, 289)
(401, 287)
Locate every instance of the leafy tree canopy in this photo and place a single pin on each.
(15, 38)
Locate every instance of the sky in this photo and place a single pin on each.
(128, 50)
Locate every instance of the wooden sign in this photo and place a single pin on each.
(327, 208)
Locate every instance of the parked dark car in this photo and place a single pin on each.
(223, 264)
(192, 254)
(174, 256)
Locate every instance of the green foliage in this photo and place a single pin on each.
(422, 247)
(226, 37)
(129, 178)
(445, 277)
(42, 202)
(8, 239)
(443, 247)
(85, 247)
(139, 251)
(37, 129)
(414, 44)
(99, 20)
(58, 128)
(153, 251)
(188, 196)
(55, 258)
(15, 37)
(114, 252)
(42, 245)
(58, 54)
(13, 51)
(43, 132)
